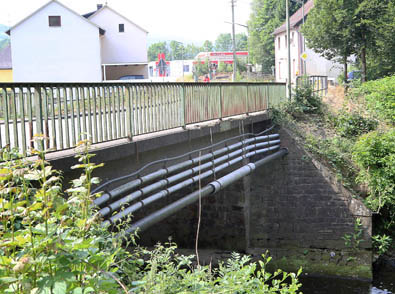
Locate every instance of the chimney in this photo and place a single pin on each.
(99, 6)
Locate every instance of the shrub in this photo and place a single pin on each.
(304, 102)
(380, 97)
(353, 125)
(375, 155)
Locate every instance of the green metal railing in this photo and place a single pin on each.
(66, 113)
(319, 84)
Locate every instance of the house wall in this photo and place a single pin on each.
(126, 47)
(5, 75)
(70, 52)
(281, 56)
(315, 64)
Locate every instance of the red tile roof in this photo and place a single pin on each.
(296, 18)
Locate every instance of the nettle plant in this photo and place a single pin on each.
(51, 244)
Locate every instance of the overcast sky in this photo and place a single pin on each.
(182, 20)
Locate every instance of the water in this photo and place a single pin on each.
(383, 283)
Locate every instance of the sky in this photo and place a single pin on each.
(186, 21)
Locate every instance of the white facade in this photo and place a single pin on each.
(69, 52)
(78, 49)
(315, 64)
(129, 46)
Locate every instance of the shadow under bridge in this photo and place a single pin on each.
(204, 171)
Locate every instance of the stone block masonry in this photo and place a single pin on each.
(299, 211)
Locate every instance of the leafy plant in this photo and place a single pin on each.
(353, 240)
(380, 97)
(381, 243)
(305, 101)
(168, 272)
(351, 125)
(49, 244)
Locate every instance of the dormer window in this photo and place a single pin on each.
(54, 21)
(121, 27)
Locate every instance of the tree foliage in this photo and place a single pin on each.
(155, 49)
(266, 16)
(339, 28)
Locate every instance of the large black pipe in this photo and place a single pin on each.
(208, 190)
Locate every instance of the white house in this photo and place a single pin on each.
(315, 63)
(56, 44)
(123, 47)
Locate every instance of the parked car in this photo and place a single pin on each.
(132, 77)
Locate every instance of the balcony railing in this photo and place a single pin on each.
(66, 113)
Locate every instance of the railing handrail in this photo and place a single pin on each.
(69, 112)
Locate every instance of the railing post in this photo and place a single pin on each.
(39, 116)
(183, 111)
(129, 113)
(220, 102)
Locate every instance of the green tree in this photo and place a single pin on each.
(380, 59)
(266, 16)
(176, 50)
(155, 49)
(223, 42)
(241, 42)
(208, 46)
(191, 51)
(328, 30)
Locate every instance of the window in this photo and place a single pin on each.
(54, 21)
(186, 68)
(279, 43)
(285, 37)
(121, 27)
(293, 39)
(279, 70)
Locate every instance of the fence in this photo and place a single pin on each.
(319, 84)
(66, 113)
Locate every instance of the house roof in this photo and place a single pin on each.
(45, 5)
(5, 58)
(296, 18)
(92, 14)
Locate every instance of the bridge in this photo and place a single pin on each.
(182, 156)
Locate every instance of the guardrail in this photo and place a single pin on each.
(319, 84)
(66, 113)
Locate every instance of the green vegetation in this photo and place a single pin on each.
(380, 98)
(266, 16)
(339, 29)
(357, 142)
(175, 50)
(54, 243)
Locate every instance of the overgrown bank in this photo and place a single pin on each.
(354, 136)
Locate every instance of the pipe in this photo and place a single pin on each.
(210, 189)
(121, 190)
(162, 183)
(161, 194)
(178, 157)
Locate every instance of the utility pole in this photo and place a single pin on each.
(289, 50)
(234, 42)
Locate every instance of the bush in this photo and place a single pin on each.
(353, 125)
(304, 102)
(375, 155)
(380, 97)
